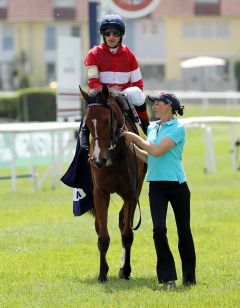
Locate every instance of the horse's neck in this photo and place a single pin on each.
(119, 153)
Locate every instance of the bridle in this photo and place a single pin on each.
(114, 135)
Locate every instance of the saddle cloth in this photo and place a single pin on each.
(78, 176)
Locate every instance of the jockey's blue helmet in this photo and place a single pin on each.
(112, 21)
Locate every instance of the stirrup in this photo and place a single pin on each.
(84, 138)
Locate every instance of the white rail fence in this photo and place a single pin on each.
(59, 149)
(231, 98)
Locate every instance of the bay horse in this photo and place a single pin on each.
(115, 169)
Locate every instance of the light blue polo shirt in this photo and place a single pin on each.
(168, 166)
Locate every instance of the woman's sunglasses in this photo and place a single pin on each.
(114, 32)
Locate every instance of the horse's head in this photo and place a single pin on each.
(105, 121)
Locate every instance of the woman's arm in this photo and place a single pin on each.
(141, 154)
(152, 149)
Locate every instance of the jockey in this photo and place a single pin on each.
(114, 64)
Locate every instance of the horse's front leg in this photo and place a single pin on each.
(101, 202)
(127, 239)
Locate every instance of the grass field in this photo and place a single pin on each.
(48, 258)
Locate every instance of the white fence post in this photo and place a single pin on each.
(234, 152)
(13, 167)
(209, 150)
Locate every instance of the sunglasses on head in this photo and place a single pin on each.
(114, 32)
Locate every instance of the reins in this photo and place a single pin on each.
(136, 198)
(113, 137)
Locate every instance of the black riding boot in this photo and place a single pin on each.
(142, 113)
(145, 124)
(84, 138)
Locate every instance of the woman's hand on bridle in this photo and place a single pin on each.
(124, 134)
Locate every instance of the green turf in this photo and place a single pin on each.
(48, 258)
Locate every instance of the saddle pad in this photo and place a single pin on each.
(140, 131)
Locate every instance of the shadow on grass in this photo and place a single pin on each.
(115, 284)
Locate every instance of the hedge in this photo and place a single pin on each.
(31, 104)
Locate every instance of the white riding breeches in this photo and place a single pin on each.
(135, 96)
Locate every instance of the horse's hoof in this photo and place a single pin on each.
(123, 275)
(102, 279)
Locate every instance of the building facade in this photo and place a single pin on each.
(174, 31)
(29, 30)
(178, 30)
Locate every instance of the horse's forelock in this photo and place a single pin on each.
(95, 97)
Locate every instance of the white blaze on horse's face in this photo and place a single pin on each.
(96, 151)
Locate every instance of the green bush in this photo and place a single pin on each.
(24, 81)
(37, 105)
(9, 107)
(31, 104)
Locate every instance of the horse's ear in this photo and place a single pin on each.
(84, 94)
(105, 92)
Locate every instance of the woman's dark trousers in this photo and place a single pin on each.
(160, 193)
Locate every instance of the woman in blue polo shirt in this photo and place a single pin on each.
(167, 183)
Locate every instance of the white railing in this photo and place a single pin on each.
(57, 149)
(57, 152)
(229, 97)
(200, 95)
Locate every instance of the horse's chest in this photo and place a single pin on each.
(112, 179)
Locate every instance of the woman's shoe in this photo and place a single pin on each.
(189, 279)
(171, 284)
(188, 283)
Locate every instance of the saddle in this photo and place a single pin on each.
(129, 112)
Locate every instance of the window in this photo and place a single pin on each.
(223, 30)
(207, 1)
(64, 3)
(207, 7)
(8, 39)
(150, 28)
(189, 30)
(75, 30)
(3, 3)
(51, 71)
(50, 38)
(156, 71)
(7, 43)
(206, 30)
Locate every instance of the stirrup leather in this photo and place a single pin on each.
(84, 138)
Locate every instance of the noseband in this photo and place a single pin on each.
(113, 137)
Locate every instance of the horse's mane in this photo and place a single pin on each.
(96, 97)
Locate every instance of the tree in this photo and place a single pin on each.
(20, 71)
